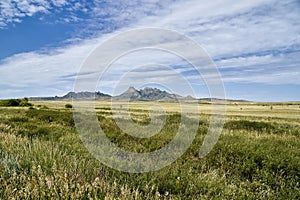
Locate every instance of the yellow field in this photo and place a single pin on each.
(263, 110)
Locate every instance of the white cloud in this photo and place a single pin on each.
(280, 69)
(12, 11)
(34, 69)
(59, 2)
(233, 28)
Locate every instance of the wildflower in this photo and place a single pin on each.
(48, 182)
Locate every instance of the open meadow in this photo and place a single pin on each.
(256, 157)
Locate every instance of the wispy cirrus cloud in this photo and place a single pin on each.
(40, 70)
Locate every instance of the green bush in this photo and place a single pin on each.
(68, 106)
(15, 102)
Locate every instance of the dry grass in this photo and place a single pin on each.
(257, 156)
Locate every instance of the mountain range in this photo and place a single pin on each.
(145, 94)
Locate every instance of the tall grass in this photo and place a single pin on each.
(42, 157)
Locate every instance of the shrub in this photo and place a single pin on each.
(24, 102)
(68, 106)
(45, 107)
(10, 102)
(15, 102)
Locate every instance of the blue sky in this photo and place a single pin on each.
(255, 44)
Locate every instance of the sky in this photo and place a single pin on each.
(255, 45)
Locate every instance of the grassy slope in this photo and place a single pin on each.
(257, 156)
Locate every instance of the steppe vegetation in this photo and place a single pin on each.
(256, 157)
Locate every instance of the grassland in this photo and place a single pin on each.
(256, 157)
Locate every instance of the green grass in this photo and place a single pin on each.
(256, 157)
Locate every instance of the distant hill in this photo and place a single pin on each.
(86, 95)
(76, 95)
(216, 99)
